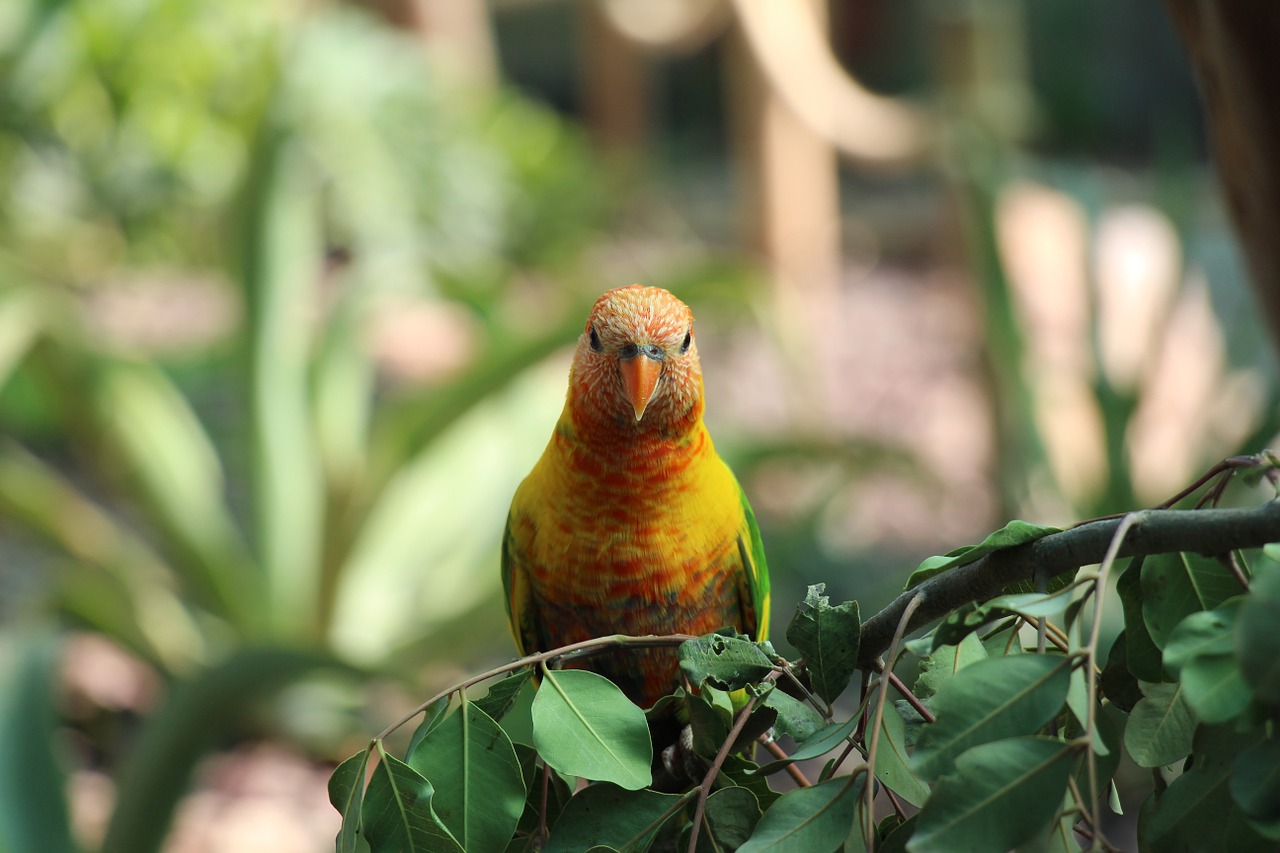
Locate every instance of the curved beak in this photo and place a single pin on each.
(640, 376)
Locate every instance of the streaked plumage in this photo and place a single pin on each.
(630, 523)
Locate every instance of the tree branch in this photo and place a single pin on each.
(1206, 531)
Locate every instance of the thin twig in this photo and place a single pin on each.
(1232, 563)
(911, 698)
(705, 788)
(779, 753)
(540, 658)
(1095, 629)
(869, 791)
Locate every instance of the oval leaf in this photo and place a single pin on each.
(397, 812)
(807, 819)
(1160, 727)
(1257, 640)
(1002, 794)
(893, 763)
(480, 791)
(606, 815)
(991, 700)
(583, 725)
(346, 793)
(1177, 585)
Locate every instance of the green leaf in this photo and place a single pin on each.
(708, 724)
(1205, 632)
(172, 462)
(1013, 534)
(1117, 682)
(605, 814)
(1257, 642)
(990, 700)
(502, 694)
(432, 717)
(728, 663)
(807, 819)
(744, 773)
(1214, 688)
(1255, 786)
(398, 814)
(1001, 794)
(1143, 656)
(281, 254)
(1032, 605)
(197, 713)
(33, 806)
(819, 743)
(557, 795)
(731, 814)
(946, 661)
(1177, 585)
(583, 725)
(473, 768)
(346, 793)
(828, 638)
(796, 719)
(893, 764)
(518, 721)
(1160, 727)
(1197, 812)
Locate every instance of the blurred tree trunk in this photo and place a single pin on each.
(1234, 47)
(788, 175)
(615, 86)
(456, 30)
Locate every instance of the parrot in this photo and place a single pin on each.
(630, 522)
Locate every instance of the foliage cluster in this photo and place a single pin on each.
(1006, 731)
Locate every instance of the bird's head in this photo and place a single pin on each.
(637, 363)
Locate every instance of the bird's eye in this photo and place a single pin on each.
(595, 340)
(688, 340)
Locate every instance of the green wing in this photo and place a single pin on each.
(754, 588)
(521, 614)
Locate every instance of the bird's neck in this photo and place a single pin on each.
(662, 443)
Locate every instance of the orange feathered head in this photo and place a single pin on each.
(636, 366)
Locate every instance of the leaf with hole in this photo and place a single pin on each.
(828, 638)
(728, 663)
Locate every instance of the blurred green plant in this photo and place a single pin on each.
(311, 167)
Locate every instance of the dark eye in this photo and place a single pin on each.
(688, 339)
(595, 340)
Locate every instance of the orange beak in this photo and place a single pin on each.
(640, 376)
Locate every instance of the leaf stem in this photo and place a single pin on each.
(538, 659)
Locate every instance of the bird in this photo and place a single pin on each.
(630, 522)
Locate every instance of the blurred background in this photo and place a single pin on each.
(288, 290)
